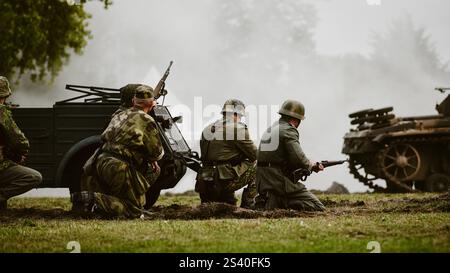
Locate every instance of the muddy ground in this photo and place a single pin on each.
(438, 203)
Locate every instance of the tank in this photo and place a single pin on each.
(409, 153)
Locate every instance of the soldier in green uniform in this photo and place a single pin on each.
(279, 155)
(118, 177)
(15, 179)
(228, 159)
(126, 97)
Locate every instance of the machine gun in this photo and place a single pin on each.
(159, 89)
(302, 174)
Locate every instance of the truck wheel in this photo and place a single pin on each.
(70, 169)
(437, 183)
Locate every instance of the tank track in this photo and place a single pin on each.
(363, 179)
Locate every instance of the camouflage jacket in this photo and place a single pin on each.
(228, 145)
(280, 146)
(12, 140)
(132, 135)
(120, 110)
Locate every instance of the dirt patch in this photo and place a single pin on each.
(439, 203)
(218, 211)
(342, 203)
(34, 213)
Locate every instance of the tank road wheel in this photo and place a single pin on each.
(437, 183)
(400, 162)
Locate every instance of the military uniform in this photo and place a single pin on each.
(279, 154)
(121, 175)
(228, 163)
(14, 178)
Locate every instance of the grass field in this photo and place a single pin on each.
(399, 223)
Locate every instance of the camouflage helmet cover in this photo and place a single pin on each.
(5, 90)
(144, 92)
(293, 109)
(127, 94)
(234, 106)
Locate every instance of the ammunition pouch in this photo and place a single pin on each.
(206, 178)
(207, 174)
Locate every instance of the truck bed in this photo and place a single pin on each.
(53, 131)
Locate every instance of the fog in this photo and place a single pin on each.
(334, 56)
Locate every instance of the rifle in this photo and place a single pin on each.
(159, 89)
(303, 174)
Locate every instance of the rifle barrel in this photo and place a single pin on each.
(332, 163)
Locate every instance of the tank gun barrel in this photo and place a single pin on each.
(442, 89)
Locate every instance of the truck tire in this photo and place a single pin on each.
(70, 169)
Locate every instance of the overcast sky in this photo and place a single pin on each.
(134, 41)
(344, 25)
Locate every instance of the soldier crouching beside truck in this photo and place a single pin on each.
(118, 175)
(15, 179)
(279, 155)
(228, 156)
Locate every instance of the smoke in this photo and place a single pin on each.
(261, 52)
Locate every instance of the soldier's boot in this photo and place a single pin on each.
(3, 205)
(83, 203)
(247, 201)
(260, 201)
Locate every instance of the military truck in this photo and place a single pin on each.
(409, 153)
(63, 137)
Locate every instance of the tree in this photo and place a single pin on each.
(408, 50)
(38, 36)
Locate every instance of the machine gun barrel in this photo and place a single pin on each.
(442, 89)
(159, 89)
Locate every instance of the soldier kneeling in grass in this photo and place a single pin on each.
(279, 155)
(122, 170)
(15, 178)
